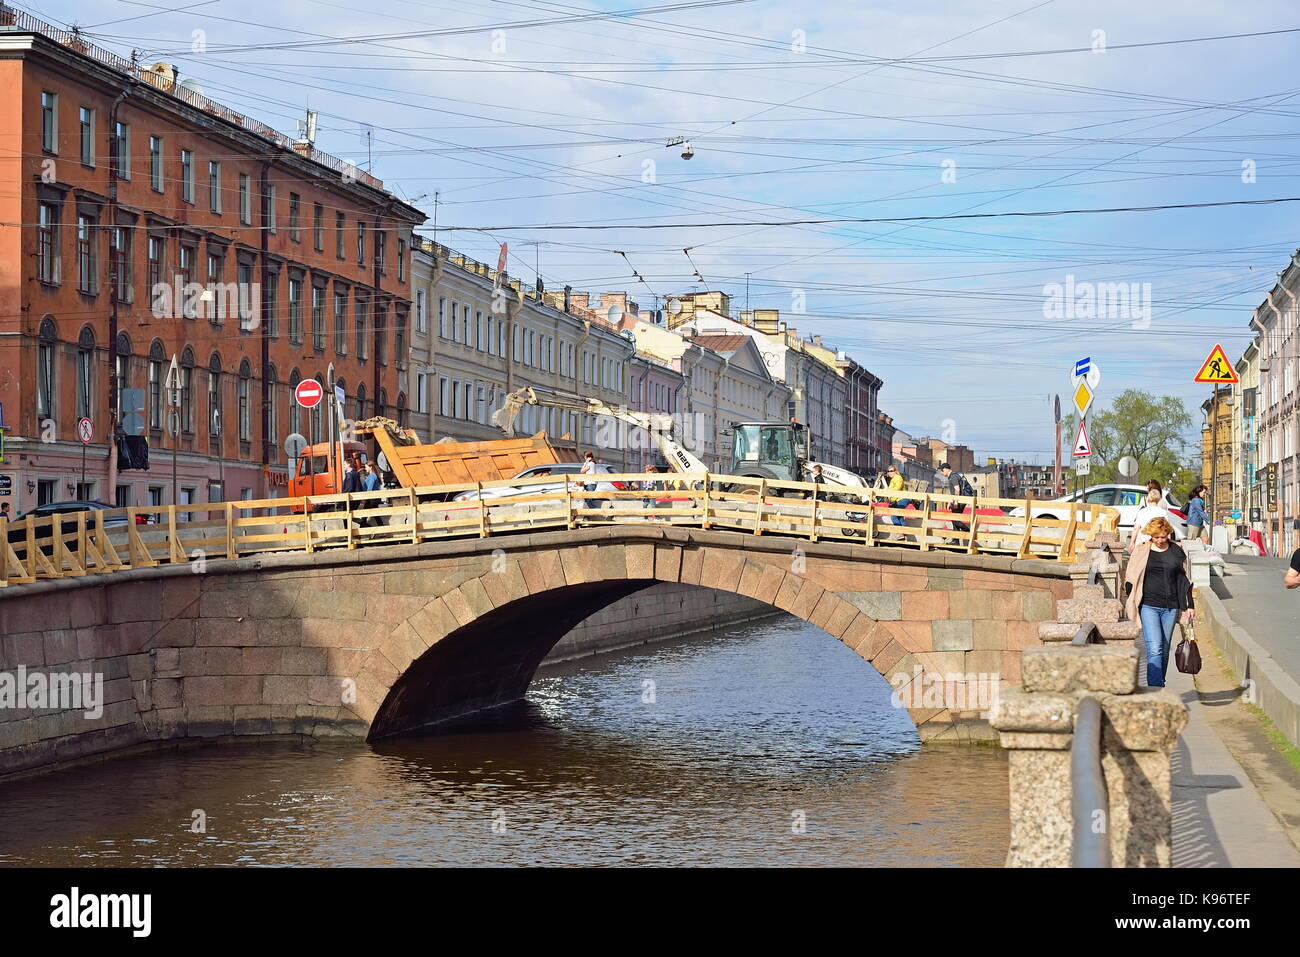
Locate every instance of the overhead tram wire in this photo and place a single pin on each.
(880, 219)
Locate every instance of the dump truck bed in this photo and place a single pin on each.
(448, 463)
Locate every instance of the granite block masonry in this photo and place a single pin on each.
(1138, 733)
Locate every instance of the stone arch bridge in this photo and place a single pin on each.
(391, 639)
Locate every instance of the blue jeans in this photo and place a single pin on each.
(1157, 635)
(895, 519)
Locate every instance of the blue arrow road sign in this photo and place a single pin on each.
(1081, 367)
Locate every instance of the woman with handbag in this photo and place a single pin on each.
(1159, 586)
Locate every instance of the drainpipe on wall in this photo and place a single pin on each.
(263, 322)
(113, 385)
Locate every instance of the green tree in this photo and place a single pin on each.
(1150, 428)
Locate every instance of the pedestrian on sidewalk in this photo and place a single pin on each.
(1153, 509)
(589, 468)
(374, 483)
(351, 483)
(1159, 586)
(953, 483)
(895, 484)
(1292, 579)
(1196, 517)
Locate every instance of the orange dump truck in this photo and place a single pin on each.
(415, 465)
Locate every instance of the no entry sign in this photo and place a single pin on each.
(308, 393)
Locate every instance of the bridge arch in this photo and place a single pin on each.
(477, 642)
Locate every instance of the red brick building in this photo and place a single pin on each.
(139, 221)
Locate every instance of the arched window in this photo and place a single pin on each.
(401, 409)
(45, 366)
(187, 390)
(156, 381)
(294, 378)
(272, 436)
(215, 426)
(381, 402)
(361, 400)
(245, 416)
(85, 372)
(317, 416)
(123, 370)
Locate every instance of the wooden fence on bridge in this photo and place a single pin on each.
(105, 541)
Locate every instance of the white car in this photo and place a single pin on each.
(1127, 498)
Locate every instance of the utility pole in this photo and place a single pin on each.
(1214, 458)
(1056, 477)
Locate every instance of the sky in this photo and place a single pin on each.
(517, 120)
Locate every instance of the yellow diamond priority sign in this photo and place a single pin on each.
(1083, 397)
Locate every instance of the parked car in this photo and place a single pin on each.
(493, 495)
(1127, 498)
(68, 524)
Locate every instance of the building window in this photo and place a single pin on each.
(187, 175)
(120, 262)
(401, 260)
(294, 203)
(214, 396)
(214, 187)
(270, 209)
(421, 322)
(381, 244)
(478, 330)
(50, 122)
(156, 249)
(187, 391)
(247, 306)
(122, 139)
(318, 318)
(442, 395)
(245, 419)
(295, 310)
(318, 227)
(361, 243)
(360, 305)
(455, 322)
(294, 408)
(87, 136)
(156, 357)
(47, 243)
(218, 304)
(361, 400)
(442, 318)
(399, 341)
(340, 236)
(341, 322)
(245, 200)
(87, 267)
(45, 370)
(156, 163)
(123, 372)
(185, 269)
(85, 372)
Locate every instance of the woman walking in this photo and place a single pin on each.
(1196, 513)
(1159, 587)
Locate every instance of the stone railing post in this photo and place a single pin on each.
(1139, 730)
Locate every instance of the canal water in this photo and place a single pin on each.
(768, 743)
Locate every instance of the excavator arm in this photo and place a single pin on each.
(658, 426)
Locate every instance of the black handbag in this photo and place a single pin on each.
(1188, 655)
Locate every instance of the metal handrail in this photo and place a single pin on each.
(1088, 634)
(1089, 800)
